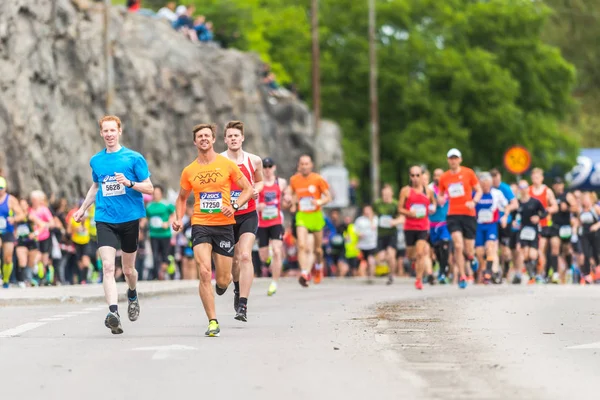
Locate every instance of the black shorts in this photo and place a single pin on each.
(219, 237)
(274, 232)
(576, 246)
(7, 237)
(353, 263)
(504, 235)
(549, 232)
(122, 236)
(533, 243)
(161, 248)
(383, 242)
(291, 265)
(411, 237)
(401, 253)
(45, 246)
(83, 250)
(368, 253)
(514, 239)
(462, 223)
(28, 243)
(245, 223)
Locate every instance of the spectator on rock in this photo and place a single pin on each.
(207, 33)
(168, 12)
(134, 5)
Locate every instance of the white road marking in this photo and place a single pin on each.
(97, 308)
(63, 316)
(79, 312)
(595, 345)
(21, 329)
(50, 319)
(162, 352)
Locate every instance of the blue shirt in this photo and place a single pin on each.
(116, 203)
(441, 212)
(508, 193)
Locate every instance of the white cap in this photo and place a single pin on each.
(181, 9)
(454, 153)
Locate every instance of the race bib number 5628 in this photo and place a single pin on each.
(210, 202)
(112, 188)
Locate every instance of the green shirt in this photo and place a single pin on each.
(157, 214)
(386, 212)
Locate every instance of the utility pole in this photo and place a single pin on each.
(374, 102)
(108, 59)
(316, 80)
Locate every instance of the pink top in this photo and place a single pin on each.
(44, 214)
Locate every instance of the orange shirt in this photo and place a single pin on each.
(459, 188)
(211, 184)
(308, 188)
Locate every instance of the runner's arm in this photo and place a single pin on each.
(572, 202)
(325, 198)
(144, 186)
(259, 183)
(286, 198)
(180, 207)
(596, 226)
(90, 198)
(14, 205)
(293, 199)
(552, 204)
(247, 191)
(512, 206)
(432, 201)
(402, 202)
(478, 193)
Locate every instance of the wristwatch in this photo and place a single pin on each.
(235, 206)
(132, 184)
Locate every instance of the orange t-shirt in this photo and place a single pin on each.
(211, 184)
(308, 188)
(459, 188)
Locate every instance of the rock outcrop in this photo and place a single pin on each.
(53, 90)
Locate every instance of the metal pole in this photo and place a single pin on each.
(108, 58)
(374, 102)
(316, 81)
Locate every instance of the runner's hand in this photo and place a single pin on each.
(165, 225)
(535, 219)
(260, 206)
(11, 220)
(177, 225)
(254, 194)
(470, 204)
(504, 221)
(121, 179)
(227, 211)
(78, 216)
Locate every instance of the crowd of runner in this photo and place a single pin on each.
(455, 227)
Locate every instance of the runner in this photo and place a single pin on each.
(589, 220)
(527, 219)
(211, 176)
(160, 216)
(270, 222)
(246, 218)
(439, 237)
(460, 182)
(120, 176)
(386, 210)
(549, 232)
(27, 246)
(506, 236)
(309, 192)
(10, 210)
(366, 228)
(562, 221)
(79, 233)
(488, 218)
(416, 202)
(44, 222)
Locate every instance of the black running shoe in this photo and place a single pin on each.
(430, 280)
(240, 314)
(236, 300)
(390, 280)
(113, 322)
(133, 309)
(516, 280)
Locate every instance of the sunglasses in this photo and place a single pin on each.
(415, 175)
(268, 166)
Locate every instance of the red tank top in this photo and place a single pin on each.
(543, 198)
(271, 197)
(248, 170)
(419, 204)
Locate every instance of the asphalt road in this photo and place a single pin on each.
(338, 340)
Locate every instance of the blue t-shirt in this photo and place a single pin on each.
(508, 193)
(441, 212)
(116, 203)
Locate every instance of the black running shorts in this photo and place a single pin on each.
(383, 242)
(274, 232)
(161, 248)
(7, 237)
(219, 237)
(45, 246)
(245, 223)
(462, 223)
(122, 236)
(412, 237)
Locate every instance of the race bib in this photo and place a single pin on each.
(270, 212)
(456, 190)
(235, 195)
(306, 204)
(112, 188)
(23, 230)
(188, 233)
(81, 231)
(210, 202)
(337, 239)
(385, 221)
(156, 223)
(565, 232)
(528, 233)
(419, 209)
(3, 223)
(485, 216)
(432, 208)
(587, 218)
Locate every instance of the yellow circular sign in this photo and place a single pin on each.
(517, 160)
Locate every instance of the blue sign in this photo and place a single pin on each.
(586, 174)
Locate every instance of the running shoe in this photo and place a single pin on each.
(474, 265)
(318, 276)
(240, 314)
(516, 279)
(5, 285)
(213, 329)
(171, 268)
(430, 280)
(419, 284)
(442, 279)
(133, 309)
(236, 300)
(272, 289)
(304, 279)
(113, 322)
(462, 282)
(390, 280)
